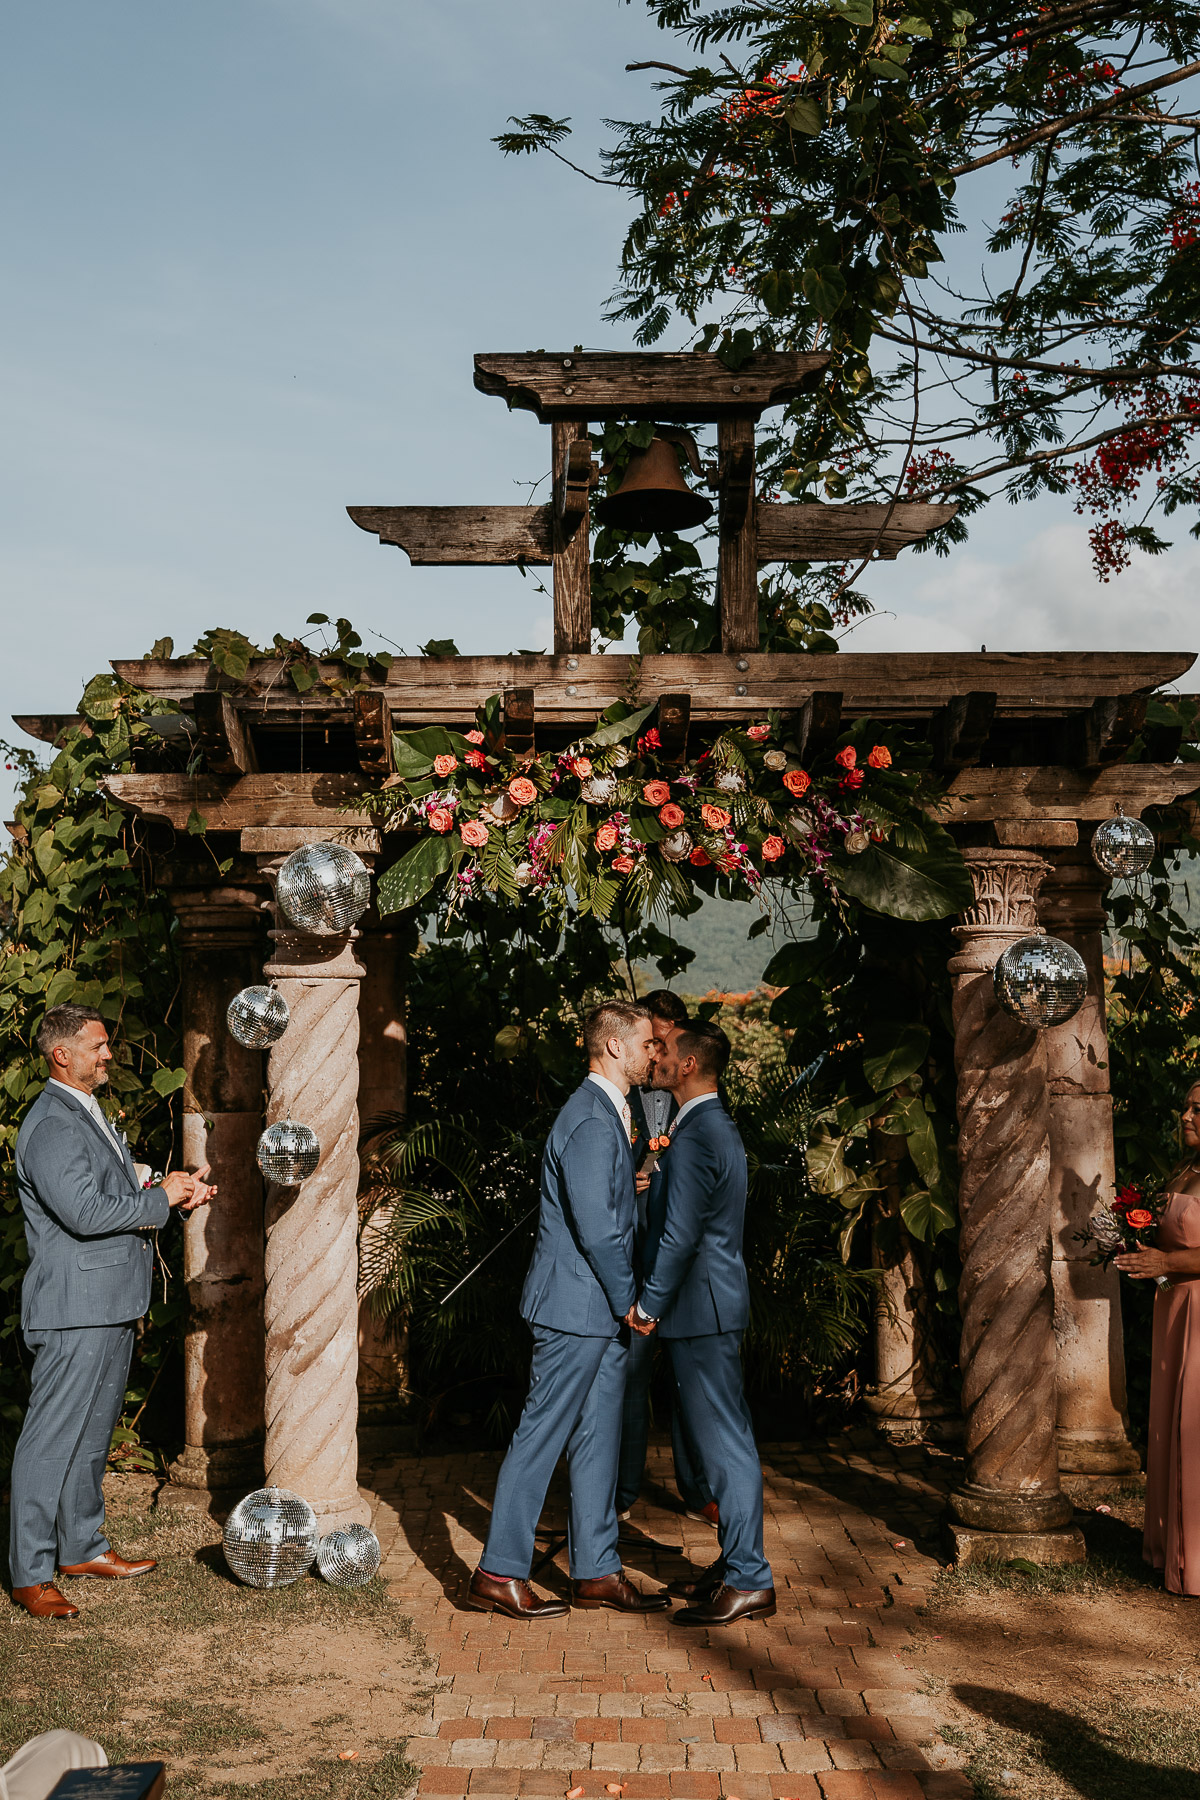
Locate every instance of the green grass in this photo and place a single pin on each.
(1114, 1562)
(1109, 1750)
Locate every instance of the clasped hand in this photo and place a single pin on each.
(1146, 1264)
(643, 1327)
(187, 1192)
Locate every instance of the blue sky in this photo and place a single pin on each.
(250, 247)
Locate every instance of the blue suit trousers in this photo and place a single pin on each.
(635, 1436)
(708, 1375)
(576, 1388)
(79, 1378)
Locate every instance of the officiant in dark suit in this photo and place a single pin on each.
(88, 1226)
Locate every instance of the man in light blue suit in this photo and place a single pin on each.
(698, 1298)
(577, 1299)
(87, 1224)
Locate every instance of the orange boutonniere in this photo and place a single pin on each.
(659, 1144)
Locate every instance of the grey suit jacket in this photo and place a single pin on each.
(86, 1219)
(581, 1277)
(697, 1282)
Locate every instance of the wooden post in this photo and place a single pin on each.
(737, 560)
(571, 474)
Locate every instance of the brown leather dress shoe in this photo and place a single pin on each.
(507, 1594)
(619, 1593)
(729, 1606)
(109, 1567)
(44, 1601)
(700, 1587)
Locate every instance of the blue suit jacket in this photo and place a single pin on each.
(697, 1285)
(581, 1277)
(86, 1219)
(652, 1205)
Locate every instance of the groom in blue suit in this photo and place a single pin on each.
(698, 1298)
(577, 1300)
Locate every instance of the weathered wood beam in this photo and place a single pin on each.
(673, 719)
(818, 723)
(1035, 684)
(373, 732)
(460, 536)
(48, 728)
(1105, 731)
(519, 719)
(222, 735)
(737, 552)
(835, 533)
(238, 802)
(1054, 792)
(678, 385)
(571, 453)
(961, 729)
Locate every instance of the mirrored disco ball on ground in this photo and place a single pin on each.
(270, 1538)
(288, 1153)
(1040, 980)
(1122, 846)
(349, 1556)
(257, 1017)
(323, 888)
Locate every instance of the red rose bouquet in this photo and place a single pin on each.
(1128, 1224)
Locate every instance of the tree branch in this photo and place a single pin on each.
(1048, 456)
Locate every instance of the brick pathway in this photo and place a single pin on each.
(815, 1703)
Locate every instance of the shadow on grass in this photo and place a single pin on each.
(1117, 1753)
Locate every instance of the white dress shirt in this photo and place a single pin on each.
(92, 1104)
(618, 1099)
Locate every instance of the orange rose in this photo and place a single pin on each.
(445, 765)
(715, 817)
(475, 834)
(606, 836)
(880, 757)
(1139, 1218)
(581, 767)
(622, 864)
(797, 782)
(773, 848)
(699, 858)
(671, 816)
(474, 737)
(758, 732)
(522, 790)
(441, 819)
(847, 757)
(655, 793)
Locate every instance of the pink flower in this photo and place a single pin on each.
(474, 737)
(622, 864)
(445, 765)
(581, 767)
(847, 757)
(475, 834)
(522, 790)
(606, 836)
(671, 815)
(655, 793)
(758, 732)
(475, 759)
(441, 819)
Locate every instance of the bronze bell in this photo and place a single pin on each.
(653, 496)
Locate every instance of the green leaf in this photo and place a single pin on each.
(197, 824)
(318, 619)
(302, 678)
(510, 1042)
(805, 116)
(912, 26)
(824, 288)
(856, 12)
(797, 962)
(168, 1081)
(414, 751)
(620, 729)
(439, 647)
(910, 1120)
(891, 1053)
(925, 1214)
(411, 878)
(906, 884)
(776, 290)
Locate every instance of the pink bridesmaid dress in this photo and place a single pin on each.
(1172, 1542)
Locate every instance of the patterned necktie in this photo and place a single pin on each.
(627, 1120)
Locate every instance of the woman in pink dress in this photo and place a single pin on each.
(1172, 1542)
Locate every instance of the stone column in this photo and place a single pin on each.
(1093, 1437)
(1010, 1503)
(220, 951)
(382, 1078)
(311, 1303)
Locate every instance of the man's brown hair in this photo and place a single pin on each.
(661, 1003)
(62, 1023)
(612, 1018)
(708, 1044)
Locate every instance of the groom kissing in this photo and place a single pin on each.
(578, 1294)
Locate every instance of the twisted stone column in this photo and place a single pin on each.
(1093, 1436)
(1011, 1492)
(311, 1302)
(220, 951)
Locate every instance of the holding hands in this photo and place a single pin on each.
(643, 1327)
(187, 1192)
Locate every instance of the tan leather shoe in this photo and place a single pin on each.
(515, 1598)
(109, 1567)
(702, 1586)
(619, 1593)
(729, 1606)
(44, 1601)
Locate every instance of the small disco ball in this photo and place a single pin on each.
(323, 888)
(676, 846)
(270, 1538)
(1122, 846)
(598, 790)
(257, 1017)
(1040, 980)
(288, 1153)
(349, 1556)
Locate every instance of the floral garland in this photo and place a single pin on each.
(611, 819)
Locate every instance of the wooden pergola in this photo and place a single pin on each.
(1034, 748)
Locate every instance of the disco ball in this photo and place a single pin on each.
(288, 1153)
(598, 790)
(257, 1017)
(323, 889)
(676, 846)
(1040, 980)
(1122, 846)
(270, 1538)
(349, 1556)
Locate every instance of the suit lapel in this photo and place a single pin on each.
(106, 1135)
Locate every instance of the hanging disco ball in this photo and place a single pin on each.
(270, 1538)
(288, 1153)
(676, 846)
(1040, 980)
(349, 1556)
(257, 1017)
(1122, 846)
(323, 889)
